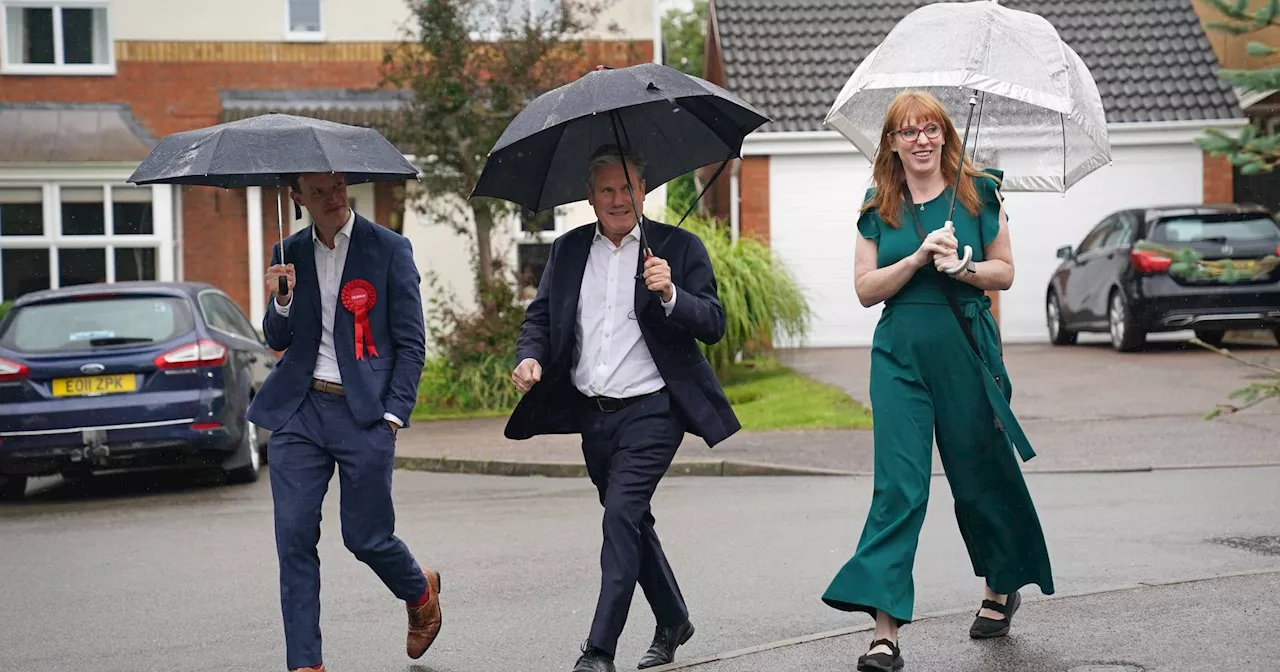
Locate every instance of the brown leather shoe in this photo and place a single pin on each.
(424, 621)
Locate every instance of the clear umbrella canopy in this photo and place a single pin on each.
(1039, 116)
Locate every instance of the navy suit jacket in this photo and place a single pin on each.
(554, 406)
(387, 383)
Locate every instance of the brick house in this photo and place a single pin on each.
(799, 183)
(88, 86)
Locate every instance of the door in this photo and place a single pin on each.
(1080, 277)
(1109, 262)
(246, 354)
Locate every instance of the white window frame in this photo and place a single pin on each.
(53, 240)
(57, 68)
(292, 35)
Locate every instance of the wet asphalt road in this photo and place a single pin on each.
(145, 574)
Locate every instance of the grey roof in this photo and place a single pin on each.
(71, 133)
(1150, 58)
(358, 107)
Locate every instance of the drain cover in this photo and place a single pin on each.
(1106, 667)
(1263, 545)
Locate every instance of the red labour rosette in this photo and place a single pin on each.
(358, 296)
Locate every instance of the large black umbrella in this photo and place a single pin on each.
(266, 151)
(676, 122)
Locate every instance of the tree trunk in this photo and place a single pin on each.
(484, 250)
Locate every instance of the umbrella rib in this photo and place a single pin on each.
(546, 175)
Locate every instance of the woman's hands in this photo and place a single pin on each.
(938, 245)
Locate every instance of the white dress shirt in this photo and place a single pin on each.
(613, 360)
(329, 266)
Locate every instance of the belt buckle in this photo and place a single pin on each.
(600, 403)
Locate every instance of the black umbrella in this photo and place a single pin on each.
(266, 151)
(677, 122)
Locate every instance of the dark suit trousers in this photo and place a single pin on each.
(627, 451)
(303, 454)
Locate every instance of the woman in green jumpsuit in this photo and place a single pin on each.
(927, 381)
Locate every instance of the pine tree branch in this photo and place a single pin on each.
(1229, 355)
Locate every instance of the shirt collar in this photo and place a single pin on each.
(634, 234)
(344, 231)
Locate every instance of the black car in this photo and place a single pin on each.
(1107, 284)
(128, 375)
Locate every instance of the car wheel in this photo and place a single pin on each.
(1125, 336)
(1058, 333)
(12, 488)
(249, 472)
(1213, 338)
(1276, 332)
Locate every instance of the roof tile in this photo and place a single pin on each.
(1150, 58)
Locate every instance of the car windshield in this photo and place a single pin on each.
(1217, 229)
(90, 324)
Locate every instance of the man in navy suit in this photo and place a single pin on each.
(354, 342)
(616, 360)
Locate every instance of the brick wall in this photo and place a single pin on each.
(1218, 180)
(174, 87)
(753, 194)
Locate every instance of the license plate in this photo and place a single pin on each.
(95, 385)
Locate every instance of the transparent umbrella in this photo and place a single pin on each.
(1039, 115)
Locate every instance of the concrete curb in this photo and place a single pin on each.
(525, 468)
(457, 465)
(804, 639)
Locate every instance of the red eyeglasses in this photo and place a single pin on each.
(910, 133)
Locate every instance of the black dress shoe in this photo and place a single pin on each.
(594, 660)
(665, 641)
(986, 628)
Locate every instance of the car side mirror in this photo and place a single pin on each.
(1065, 252)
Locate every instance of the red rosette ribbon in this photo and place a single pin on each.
(358, 296)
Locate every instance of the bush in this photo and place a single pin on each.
(761, 300)
(471, 369)
(4, 309)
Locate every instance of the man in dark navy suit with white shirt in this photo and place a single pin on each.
(354, 342)
(616, 359)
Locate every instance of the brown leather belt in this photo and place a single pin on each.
(326, 387)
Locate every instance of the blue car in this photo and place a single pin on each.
(128, 375)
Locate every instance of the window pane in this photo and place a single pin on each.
(77, 325)
(82, 212)
(81, 267)
(21, 212)
(84, 35)
(135, 263)
(531, 258)
(24, 271)
(30, 34)
(304, 16)
(131, 211)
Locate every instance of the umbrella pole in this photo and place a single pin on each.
(284, 282)
(626, 174)
(955, 189)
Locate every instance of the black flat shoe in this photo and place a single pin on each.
(665, 641)
(881, 662)
(986, 628)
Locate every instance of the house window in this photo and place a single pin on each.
(43, 37)
(488, 24)
(302, 20)
(61, 235)
(533, 246)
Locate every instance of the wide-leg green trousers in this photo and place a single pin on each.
(926, 381)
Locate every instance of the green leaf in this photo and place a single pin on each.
(1255, 168)
(1216, 143)
(1229, 27)
(1258, 50)
(1263, 15)
(1241, 5)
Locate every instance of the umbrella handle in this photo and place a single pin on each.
(964, 259)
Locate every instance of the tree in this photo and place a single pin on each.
(470, 66)
(684, 34)
(1251, 151)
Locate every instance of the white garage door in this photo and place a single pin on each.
(813, 214)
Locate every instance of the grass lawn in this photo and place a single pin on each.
(764, 395)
